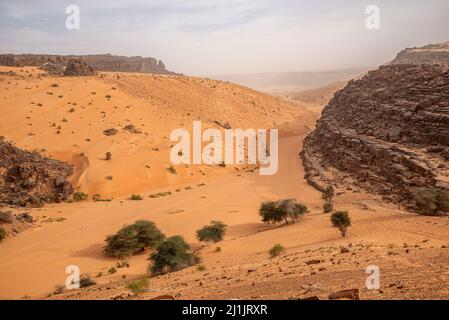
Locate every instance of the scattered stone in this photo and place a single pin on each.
(110, 132)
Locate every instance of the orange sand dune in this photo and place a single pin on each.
(66, 117)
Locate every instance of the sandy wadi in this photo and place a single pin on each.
(258, 150)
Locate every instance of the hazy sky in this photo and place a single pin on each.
(202, 37)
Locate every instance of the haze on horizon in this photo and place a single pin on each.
(210, 37)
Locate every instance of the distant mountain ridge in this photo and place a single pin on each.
(101, 62)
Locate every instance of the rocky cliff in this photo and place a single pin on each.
(27, 178)
(430, 54)
(101, 62)
(387, 133)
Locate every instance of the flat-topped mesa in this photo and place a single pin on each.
(387, 133)
(27, 178)
(100, 62)
(430, 54)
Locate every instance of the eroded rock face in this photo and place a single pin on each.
(27, 178)
(386, 133)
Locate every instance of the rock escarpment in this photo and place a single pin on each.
(430, 54)
(100, 62)
(27, 178)
(387, 133)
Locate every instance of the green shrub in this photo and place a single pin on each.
(6, 216)
(79, 196)
(431, 201)
(277, 250)
(2, 234)
(136, 197)
(172, 254)
(276, 211)
(212, 233)
(341, 221)
(138, 286)
(132, 239)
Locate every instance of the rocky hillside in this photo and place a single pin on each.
(101, 62)
(430, 54)
(27, 178)
(387, 133)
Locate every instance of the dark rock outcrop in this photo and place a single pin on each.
(78, 67)
(100, 62)
(27, 178)
(386, 133)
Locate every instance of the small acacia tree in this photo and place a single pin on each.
(132, 239)
(341, 221)
(276, 211)
(172, 254)
(212, 233)
(431, 201)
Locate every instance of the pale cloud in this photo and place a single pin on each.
(227, 36)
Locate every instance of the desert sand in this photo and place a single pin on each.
(67, 122)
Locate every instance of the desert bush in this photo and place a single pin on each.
(172, 254)
(132, 239)
(276, 211)
(341, 221)
(277, 250)
(136, 197)
(201, 267)
(6, 216)
(138, 286)
(122, 264)
(327, 206)
(212, 233)
(79, 196)
(431, 201)
(328, 193)
(36, 201)
(112, 270)
(108, 156)
(58, 289)
(86, 281)
(172, 169)
(2, 234)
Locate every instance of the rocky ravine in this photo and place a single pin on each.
(27, 178)
(387, 133)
